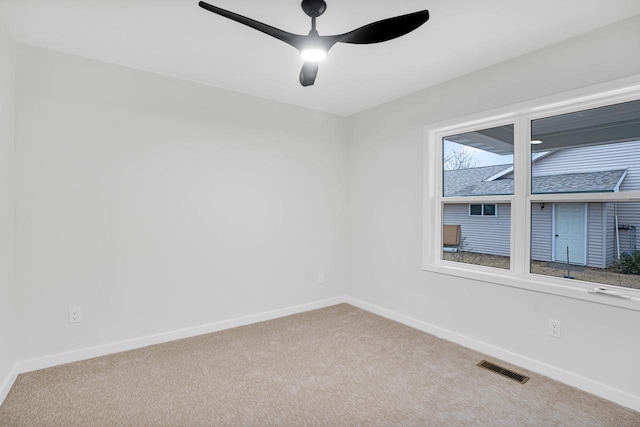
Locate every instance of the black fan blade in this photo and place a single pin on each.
(384, 30)
(292, 39)
(308, 73)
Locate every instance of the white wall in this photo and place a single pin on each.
(7, 232)
(599, 342)
(155, 204)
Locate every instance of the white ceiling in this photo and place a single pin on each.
(177, 38)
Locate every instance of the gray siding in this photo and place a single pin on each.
(541, 229)
(610, 227)
(595, 236)
(629, 214)
(603, 157)
(601, 233)
(487, 235)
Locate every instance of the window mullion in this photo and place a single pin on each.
(520, 219)
(432, 207)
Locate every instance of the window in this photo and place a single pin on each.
(478, 164)
(595, 153)
(485, 209)
(540, 197)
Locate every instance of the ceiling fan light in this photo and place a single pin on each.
(313, 54)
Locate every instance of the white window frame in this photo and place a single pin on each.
(520, 115)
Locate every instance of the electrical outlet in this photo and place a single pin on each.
(74, 315)
(554, 328)
(320, 278)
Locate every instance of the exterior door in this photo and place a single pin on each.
(570, 232)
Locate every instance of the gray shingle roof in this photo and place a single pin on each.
(471, 182)
(457, 180)
(587, 182)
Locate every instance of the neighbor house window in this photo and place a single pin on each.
(565, 180)
(485, 209)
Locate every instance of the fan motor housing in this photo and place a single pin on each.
(314, 8)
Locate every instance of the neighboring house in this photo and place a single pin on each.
(595, 233)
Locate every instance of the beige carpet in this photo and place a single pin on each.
(335, 366)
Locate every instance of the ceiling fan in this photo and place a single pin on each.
(314, 47)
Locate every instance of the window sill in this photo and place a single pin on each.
(538, 283)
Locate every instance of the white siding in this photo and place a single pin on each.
(487, 235)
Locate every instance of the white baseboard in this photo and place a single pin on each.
(602, 390)
(566, 377)
(7, 383)
(102, 350)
